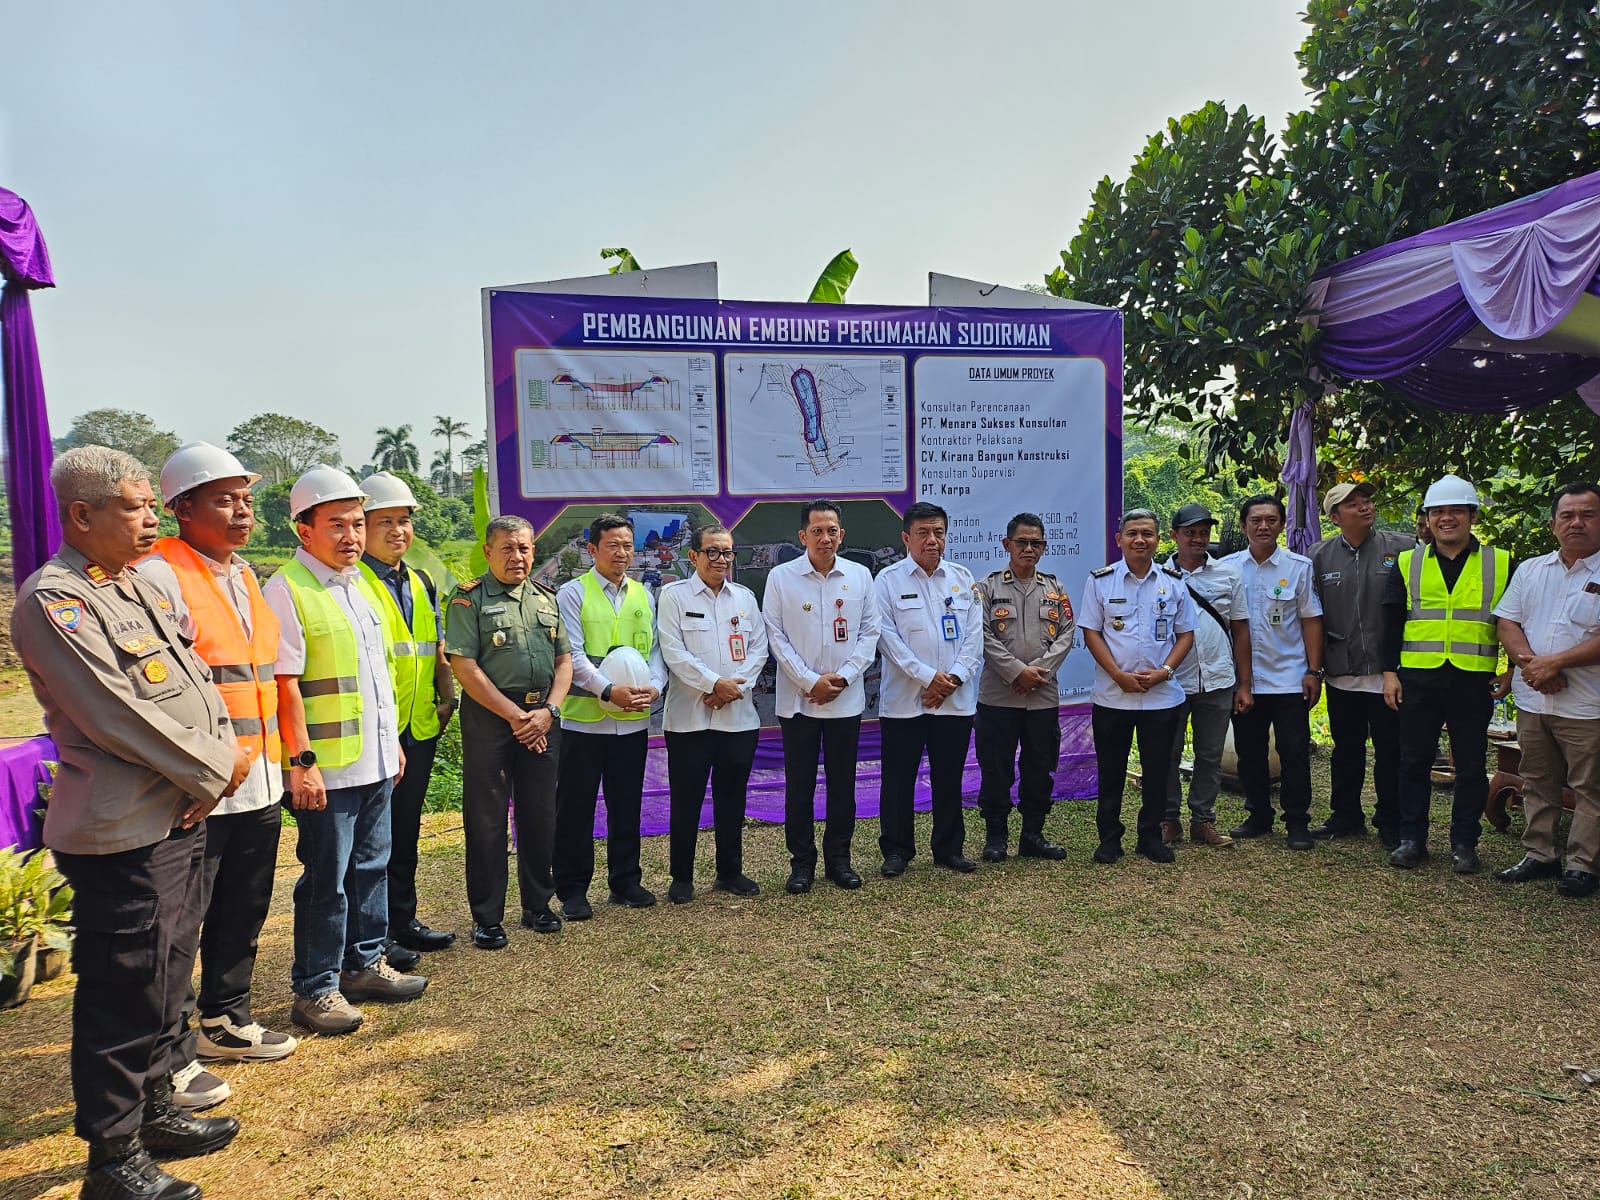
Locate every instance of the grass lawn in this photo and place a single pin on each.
(1249, 1023)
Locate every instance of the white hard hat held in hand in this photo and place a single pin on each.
(196, 463)
(387, 491)
(319, 485)
(1452, 489)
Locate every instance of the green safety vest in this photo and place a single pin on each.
(414, 652)
(329, 683)
(1455, 627)
(605, 626)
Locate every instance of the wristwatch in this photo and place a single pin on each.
(959, 681)
(1168, 668)
(1320, 673)
(605, 696)
(306, 758)
(555, 710)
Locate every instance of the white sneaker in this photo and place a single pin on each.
(329, 1013)
(194, 1087)
(221, 1038)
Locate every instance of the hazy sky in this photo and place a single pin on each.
(291, 206)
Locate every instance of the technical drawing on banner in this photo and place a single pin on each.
(800, 424)
(603, 423)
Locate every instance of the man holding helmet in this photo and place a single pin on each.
(1440, 652)
(424, 692)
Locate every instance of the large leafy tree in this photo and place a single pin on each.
(282, 448)
(121, 429)
(1421, 111)
(395, 451)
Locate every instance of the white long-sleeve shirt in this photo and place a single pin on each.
(694, 630)
(912, 606)
(802, 605)
(585, 674)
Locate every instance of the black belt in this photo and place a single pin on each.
(531, 699)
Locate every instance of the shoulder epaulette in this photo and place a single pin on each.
(1104, 571)
(469, 584)
(1169, 569)
(544, 587)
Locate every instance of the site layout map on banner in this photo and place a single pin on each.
(680, 412)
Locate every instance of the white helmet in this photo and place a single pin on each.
(387, 491)
(197, 463)
(626, 666)
(319, 484)
(1452, 489)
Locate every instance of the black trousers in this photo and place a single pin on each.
(405, 827)
(1464, 708)
(1114, 731)
(725, 759)
(498, 771)
(838, 739)
(138, 926)
(590, 761)
(904, 739)
(235, 893)
(998, 731)
(1289, 717)
(1353, 718)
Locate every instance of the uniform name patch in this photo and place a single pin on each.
(68, 614)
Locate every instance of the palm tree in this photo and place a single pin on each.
(449, 429)
(395, 450)
(475, 455)
(440, 474)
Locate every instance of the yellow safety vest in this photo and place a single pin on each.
(414, 652)
(608, 628)
(330, 683)
(1452, 626)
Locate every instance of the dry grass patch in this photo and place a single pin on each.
(1250, 1023)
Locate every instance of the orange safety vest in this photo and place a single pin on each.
(242, 670)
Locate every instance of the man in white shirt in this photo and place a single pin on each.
(1215, 676)
(714, 643)
(1286, 673)
(822, 627)
(341, 739)
(603, 609)
(1549, 623)
(931, 637)
(1138, 624)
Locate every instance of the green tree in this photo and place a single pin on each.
(1421, 111)
(131, 432)
(273, 527)
(439, 472)
(449, 429)
(395, 450)
(474, 456)
(281, 448)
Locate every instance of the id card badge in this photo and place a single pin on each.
(736, 647)
(952, 631)
(841, 630)
(1161, 629)
(1276, 616)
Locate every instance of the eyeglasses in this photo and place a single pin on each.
(1029, 543)
(718, 554)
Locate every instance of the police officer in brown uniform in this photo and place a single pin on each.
(146, 752)
(1027, 633)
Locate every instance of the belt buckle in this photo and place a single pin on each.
(533, 698)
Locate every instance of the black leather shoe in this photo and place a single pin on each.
(489, 937)
(1529, 868)
(121, 1169)
(1464, 860)
(1253, 827)
(577, 909)
(417, 936)
(1036, 845)
(893, 867)
(1107, 852)
(1408, 855)
(1333, 829)
(634, 896)
(959, 863)
(171, 1132)
(1155, 850)
(1578, 884)
(543, 921)
(799, 881)
(1300, 838)
(680, 891)
(738, 885)
(399, 957)
(995, 847)
(844, 875)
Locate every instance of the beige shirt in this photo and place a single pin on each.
(1025, 623)
(138, 726)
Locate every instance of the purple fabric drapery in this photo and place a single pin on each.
(25, 263)
(1474, 316)
(1300, 476)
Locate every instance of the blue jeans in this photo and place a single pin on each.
(341, 901)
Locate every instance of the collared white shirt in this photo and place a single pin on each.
(380, 730)
(1280, 591)
(912, 606)
(1209, 666)
(802, 605)
(1153, 612)
(695, 628)
(585, 671)
(264, 784)
(1557, 606)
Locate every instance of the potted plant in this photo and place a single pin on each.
(35, 905)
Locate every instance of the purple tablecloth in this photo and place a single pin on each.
(20, 822)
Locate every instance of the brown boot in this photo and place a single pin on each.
(1207, 832)
(1171, 833)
